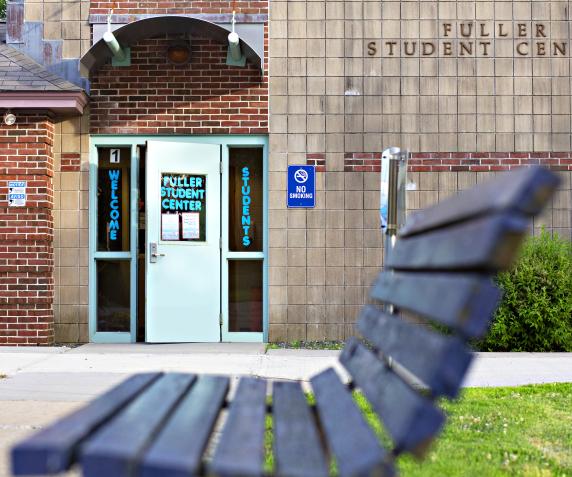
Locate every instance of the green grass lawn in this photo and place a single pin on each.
(516, 431)
(524, 431)
(321, 345)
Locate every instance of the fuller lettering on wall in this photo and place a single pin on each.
(474, 38)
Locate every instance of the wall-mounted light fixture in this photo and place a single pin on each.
(9, 118)
(114, 45)
(179, 52)
(234, 46)
(121, 56)
(234, 54)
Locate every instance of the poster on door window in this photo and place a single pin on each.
(191, 225)
(169, 226)
(183, 196)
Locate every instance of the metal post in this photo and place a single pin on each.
(392, 194)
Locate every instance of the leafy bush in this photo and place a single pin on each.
(2, 9)
(536, 310)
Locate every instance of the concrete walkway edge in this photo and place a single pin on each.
(77, 374)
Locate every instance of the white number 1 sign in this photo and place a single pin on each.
(115, 156)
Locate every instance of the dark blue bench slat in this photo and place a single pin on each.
(297, 448)
(54, 449)
(114, 450)
(353, 443)
(178, 449)
(240, 451)
(523, 191)
(411, 420)
(439, 361)
(463, 302)
(487, 244)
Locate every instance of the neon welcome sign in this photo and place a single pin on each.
(114, 213)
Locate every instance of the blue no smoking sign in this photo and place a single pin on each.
(301, 186)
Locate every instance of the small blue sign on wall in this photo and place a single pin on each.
(301, 186)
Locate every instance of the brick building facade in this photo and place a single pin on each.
(471, 88)
(152, 97)
(27, 234)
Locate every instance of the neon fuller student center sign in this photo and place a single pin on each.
(474, 38)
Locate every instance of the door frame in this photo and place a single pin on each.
(133, 141)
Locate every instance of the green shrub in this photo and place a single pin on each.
(536, 310)
(2, 9)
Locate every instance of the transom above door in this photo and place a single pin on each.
(191, 264)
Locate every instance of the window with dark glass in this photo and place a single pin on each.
(245, 295)
(113, 191)
(245, 200)
(113, 295)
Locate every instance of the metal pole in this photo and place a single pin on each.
(392, 196)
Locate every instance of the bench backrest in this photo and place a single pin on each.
(441, 271)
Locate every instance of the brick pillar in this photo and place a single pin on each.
(26, 233)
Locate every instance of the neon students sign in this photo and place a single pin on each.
(114, 214)
(246, 200)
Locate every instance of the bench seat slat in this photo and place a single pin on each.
(240, 451)
(297, 448)
(53, 449)
(411, 420)
(114, 450)
(462, 302)
(178, 449)
(353, 443)
(487, 244)
(524, 191)
(439, 361)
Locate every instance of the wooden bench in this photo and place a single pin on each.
(440, 271)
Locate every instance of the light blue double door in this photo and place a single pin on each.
(178, 239)
(183, 242)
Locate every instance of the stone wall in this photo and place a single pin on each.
(71, 234)
(323, 260)
(324, 78)
(339, 95)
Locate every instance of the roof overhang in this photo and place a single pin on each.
(133, 32)
(60, 103)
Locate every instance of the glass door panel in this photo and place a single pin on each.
(245, 295)
(244, 244)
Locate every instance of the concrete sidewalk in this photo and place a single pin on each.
(43, 384)
(78, 374)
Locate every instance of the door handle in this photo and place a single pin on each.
(153, 255)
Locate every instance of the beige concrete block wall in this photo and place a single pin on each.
(324, 76)
(71, 238)
(323, 261)
(328, 96)
(431, 187)
(65, 20)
